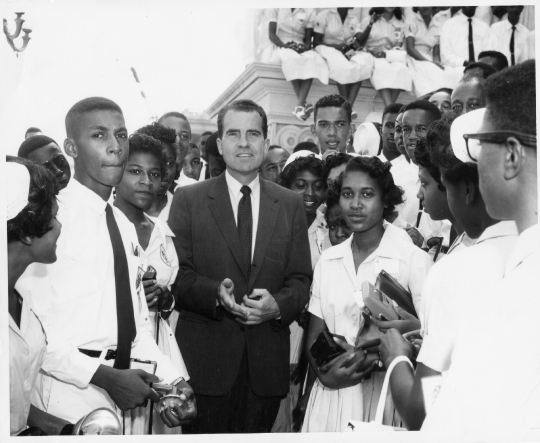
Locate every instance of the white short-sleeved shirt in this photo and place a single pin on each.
(451, 286)
(161, 254)
(336, 279)
(455, 40)
(334, 31)
(425, 38)
(492, 389)
(384, 34)
(27, 349)
(75, 298)
(291, 25)
(501, 33)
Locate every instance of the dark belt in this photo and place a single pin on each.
(111, 353)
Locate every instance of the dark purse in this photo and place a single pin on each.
(325, 348)
(390, 287)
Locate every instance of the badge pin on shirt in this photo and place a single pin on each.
(164, 255)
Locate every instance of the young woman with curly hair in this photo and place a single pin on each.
(368, 196)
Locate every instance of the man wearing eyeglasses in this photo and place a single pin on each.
(493, 385)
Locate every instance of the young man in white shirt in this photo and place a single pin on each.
(504, 403)
(510, 37)
(332, 125)
(92, 295)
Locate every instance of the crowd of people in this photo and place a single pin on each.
(419, 50)
(228, 282)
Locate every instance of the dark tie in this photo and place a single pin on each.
(124, 303)
(471, 44)
(512, 46)
(245, 227)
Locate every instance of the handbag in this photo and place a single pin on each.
(395, 55)
(376, 425)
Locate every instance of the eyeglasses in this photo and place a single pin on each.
(498, 137)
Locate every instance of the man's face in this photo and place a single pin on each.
(332, 128)
(183, 132)
(387, 132)
(513, 14)
(467, 97)
(192, 164)
(415, 125)
(100, 149)
(53, 159)
(468, 11)
(273, 164)
(398, 135)
(443, 101)
(170, 168)
(242, 144)
(216, 166)
(491, 174)
(433, 199)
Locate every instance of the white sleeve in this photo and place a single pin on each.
(315, 299)
(419, 266)
(448, 57)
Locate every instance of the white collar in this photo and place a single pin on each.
(501, 229)
(235, 186)
(527, 243)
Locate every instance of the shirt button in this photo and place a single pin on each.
(353, 317)
(27, 385)
(353, 338)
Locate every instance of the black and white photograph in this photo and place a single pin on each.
(249, 218)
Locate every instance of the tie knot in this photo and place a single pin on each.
(246, 190)
(513, 27)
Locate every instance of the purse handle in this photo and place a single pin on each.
(384, 391)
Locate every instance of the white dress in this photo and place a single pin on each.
(291, 27)
(329, 24)
(161, 255)
(386, 35)
(427, 76)
(334, 282)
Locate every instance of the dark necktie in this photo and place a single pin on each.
(471, 44)
(245, 227)
(124, 303)
(512, 43)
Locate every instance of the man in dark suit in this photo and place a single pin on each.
(245, 274)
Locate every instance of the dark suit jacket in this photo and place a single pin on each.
(208, 247)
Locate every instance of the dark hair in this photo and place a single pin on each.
(31, 129)
(242, 106)
(392, 108)
(272, 147)
(511, 98)
(306, 146)
(380, 171)
(194, 146)
(311, 164)
(471, 79)
(331, 199)
(86, 106)
(31, 144)
(172, 114)
(334, 161)
(426, 106)
(398, 12)
(333, 101)
(501, 62)
(159, 132)
(211, 146)
(206, 133)
(487, 70)
(140, 143)
(423, 158)
(35, 218)
(402, 109)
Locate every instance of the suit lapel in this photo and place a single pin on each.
(220, 205)
(268, 214)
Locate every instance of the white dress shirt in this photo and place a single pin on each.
(455, 40)
(291, 25)
(501, 33)
(27, 349)
(452, 285)
(334, 31)
(492, 389)
(236, 195)
(75, 298)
